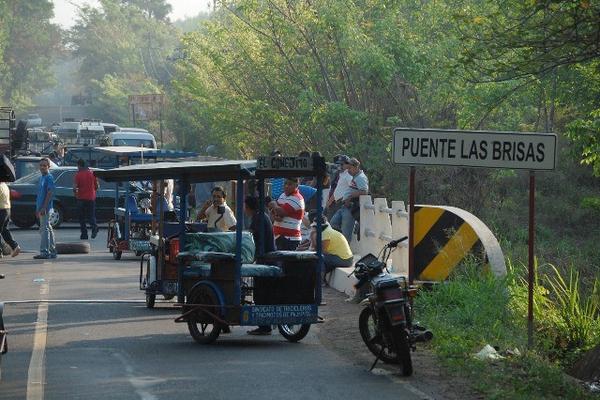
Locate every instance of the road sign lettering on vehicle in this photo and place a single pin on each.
(533, 151)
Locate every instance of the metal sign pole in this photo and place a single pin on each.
(411, 226)
(531, 265)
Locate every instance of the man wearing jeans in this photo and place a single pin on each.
(43, 206)
(85, 185)
(343, 220)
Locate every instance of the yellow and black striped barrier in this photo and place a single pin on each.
(444, 236)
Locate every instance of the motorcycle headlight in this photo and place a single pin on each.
(145, 203)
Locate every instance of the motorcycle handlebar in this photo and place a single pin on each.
(395, 243)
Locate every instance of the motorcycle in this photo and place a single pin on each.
(3, 343)
(385, 322)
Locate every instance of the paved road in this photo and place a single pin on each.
(125, 351)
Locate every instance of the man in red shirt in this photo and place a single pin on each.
(85, 185)
(287, 213)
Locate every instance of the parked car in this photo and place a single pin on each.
(33, 120)
(90, 156)
(25, 165)
(109, 128)
(129, 137)
(80, 132)
(23, 193)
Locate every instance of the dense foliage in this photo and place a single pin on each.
(123, 48)
(336, 76)
(29, 44)
(475, 309)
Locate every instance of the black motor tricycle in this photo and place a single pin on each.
(385, 322)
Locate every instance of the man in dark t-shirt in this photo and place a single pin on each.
(259, 220)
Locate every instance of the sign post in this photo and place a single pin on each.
(482, 149)
(147, 107)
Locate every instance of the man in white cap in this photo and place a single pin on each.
(343, 220)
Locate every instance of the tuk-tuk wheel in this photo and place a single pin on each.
(294, 333)
(202, 327)
(150, 300)
(117, 254)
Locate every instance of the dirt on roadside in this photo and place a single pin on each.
(340, 334)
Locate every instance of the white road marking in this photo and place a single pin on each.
(141, 384)
(390, 375)
(36, 373)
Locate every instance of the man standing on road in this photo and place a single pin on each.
(43, 206)
(344, 219)
(85, 185)
(5, 218)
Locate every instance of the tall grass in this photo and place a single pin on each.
(567, 317)
(474, 308)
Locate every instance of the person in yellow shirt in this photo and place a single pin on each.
(5, 218)
(336, 250)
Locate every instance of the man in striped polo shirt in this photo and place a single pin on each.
(287, 213)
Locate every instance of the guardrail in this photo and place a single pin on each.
(444, 237)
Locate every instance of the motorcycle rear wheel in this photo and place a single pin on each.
(379, 344)
(401, 341)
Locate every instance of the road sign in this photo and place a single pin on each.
(146, 107)
(512, 150)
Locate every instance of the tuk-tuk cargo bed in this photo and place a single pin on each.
(288, 255)
(205, 256)
(219, 242)
(247, 271)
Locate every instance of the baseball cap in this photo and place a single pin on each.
(353, 161)
(341, 159)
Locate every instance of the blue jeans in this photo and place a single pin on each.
(47, 247)
(343, 221)
(87, 211)
(332, 262)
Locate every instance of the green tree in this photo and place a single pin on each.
(28, 43)
(549, 46)
(123, 48)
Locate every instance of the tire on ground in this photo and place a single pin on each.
(73, 248)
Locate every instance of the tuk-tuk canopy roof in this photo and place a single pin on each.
(193, 171)
(137, 152)
(212, 171)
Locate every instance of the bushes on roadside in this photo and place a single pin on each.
(474, 308)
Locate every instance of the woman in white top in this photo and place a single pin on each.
(5, 218)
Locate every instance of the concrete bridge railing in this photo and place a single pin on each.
(444, 237)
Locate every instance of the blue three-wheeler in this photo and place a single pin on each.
(221, 279)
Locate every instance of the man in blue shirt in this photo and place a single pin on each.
(43, 207)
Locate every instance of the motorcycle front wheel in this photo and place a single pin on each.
(380, 344)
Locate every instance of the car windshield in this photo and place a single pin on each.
(134, 142)
(29, 168)
(34, 177)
